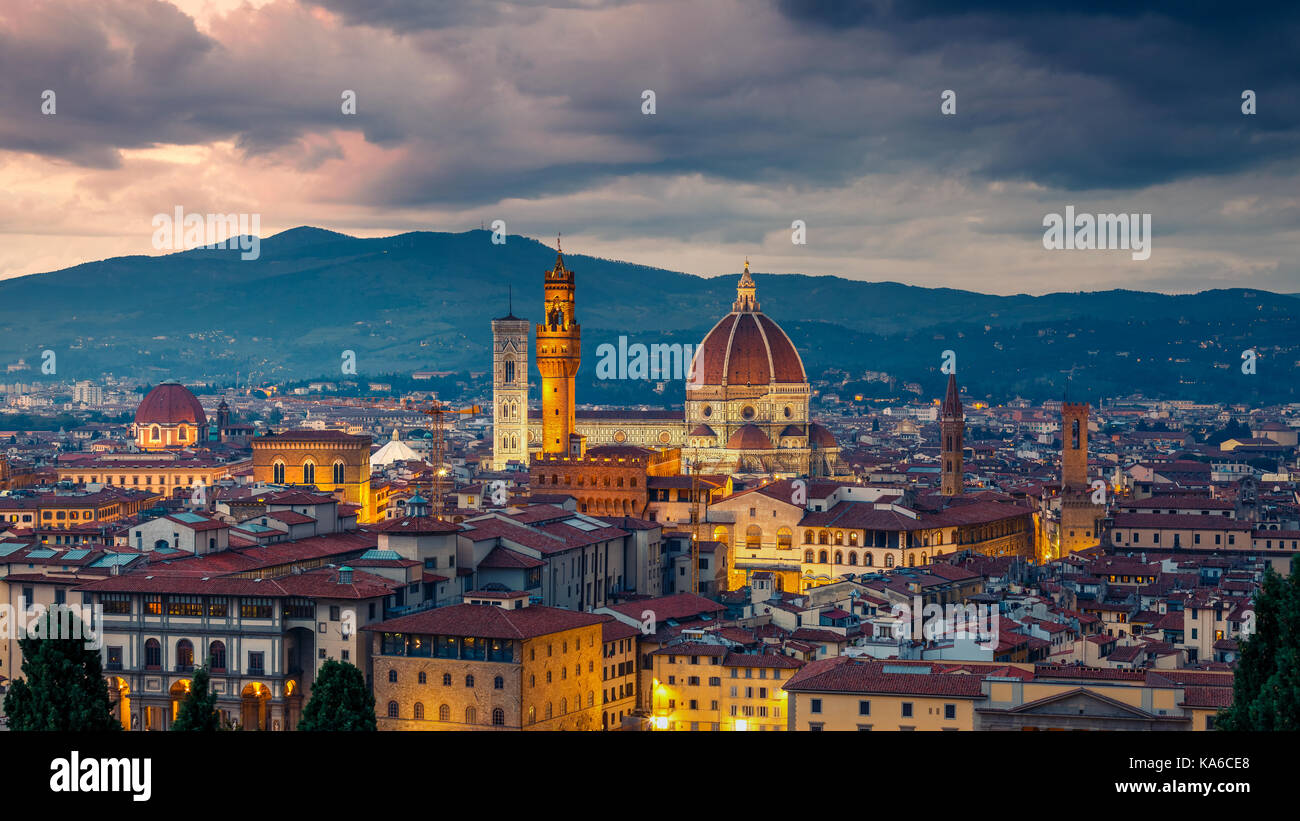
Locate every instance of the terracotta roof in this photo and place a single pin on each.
(489, 622)
(415, 525)
(844, 674)
(503, 558)
(170, 404)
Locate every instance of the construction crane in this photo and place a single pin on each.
(693, 465)
(437, 411)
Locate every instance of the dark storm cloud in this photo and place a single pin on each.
(799, 94)
(1134, 93)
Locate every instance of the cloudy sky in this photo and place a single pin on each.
(767, 111)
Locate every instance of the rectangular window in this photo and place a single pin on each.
(299, 609)
(184, 606)
(864, 708)
(815, 705)
(907, 709)
(116, 604)
(950, 711)
(115, 658)
(255, 608)
(153, 605)
(217, 608)
(257, 663)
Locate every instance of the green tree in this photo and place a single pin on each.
(198, 712)
(1266, 686)
(340, 701)
(63, 686)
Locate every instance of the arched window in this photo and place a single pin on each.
(591, 698)
(446, 679)
(548, 709)
(509, 368)
(853, 557)
(808, 556)
(444, 713)
(499, 717)
(784, 538)
(419, 711)
(922, 557)
(217, 655)
(423, 677)
(532, 714)
(154, 435)
(821, 556)
(338, 473)
(469, 681)
(392, 676)
(868, 560)
(498, 683)
(839, 557)
(839, 537)
(152, 653)
(911, 560)
(309, 473)
(823, 537)
(889, 560)
(564, 706)
(853, 539)
(392, 709)
(470, 716)
(753, 537)
(184, 655)
(807, 537)
(277, 473)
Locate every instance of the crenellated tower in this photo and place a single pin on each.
(952, 425)
(1079, 515)
(559, 340)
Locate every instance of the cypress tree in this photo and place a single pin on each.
(340, 701)
(62, 687)
(1266, 685)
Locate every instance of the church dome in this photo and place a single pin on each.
(820, 437)
(749, 437)
(170, 404)
(746, 347)
(704, 430)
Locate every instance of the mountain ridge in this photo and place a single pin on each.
(421, 299)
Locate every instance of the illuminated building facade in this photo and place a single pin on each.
(329, 460)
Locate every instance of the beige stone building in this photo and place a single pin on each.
(499, 666)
